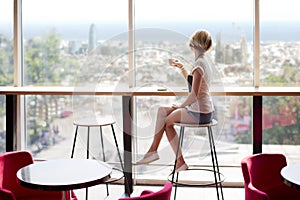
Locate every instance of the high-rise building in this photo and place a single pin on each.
(92, 38)
(219, 57)
(244, 53)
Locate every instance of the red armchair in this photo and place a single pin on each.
(6, 195)
(262, 179)
(10, 189)
(163, 194)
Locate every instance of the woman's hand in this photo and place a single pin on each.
(177, 106)
(175, 63)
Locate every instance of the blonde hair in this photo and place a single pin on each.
(203, 39)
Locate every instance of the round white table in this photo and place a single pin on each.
(64, 174)
(291, 175)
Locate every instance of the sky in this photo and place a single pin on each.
(147, 10)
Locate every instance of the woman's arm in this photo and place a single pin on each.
(184, 72)
(195, 89)
(178, 64)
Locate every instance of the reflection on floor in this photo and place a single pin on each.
(183, 193)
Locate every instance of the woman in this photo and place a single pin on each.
(197, 108)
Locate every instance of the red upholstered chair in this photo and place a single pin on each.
(163, 194)
(262, 179)
(6, 195)
(10, 189)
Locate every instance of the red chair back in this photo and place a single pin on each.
(263, 170)
(262, 179)
(163, 194)
(10, 163)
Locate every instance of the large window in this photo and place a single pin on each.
(61, 40)
(280, 47)
(279, 66)
(229, 22)
(162, 31)
(82, 44)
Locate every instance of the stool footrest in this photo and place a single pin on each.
(116, 179)
(193, 183)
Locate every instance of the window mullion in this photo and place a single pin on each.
(19, 121)
(131, 43)
(256, 43)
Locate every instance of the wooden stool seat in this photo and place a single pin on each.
(189, 125)
(94, 122)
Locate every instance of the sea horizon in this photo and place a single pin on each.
(269, 31)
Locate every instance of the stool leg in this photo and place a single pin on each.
(215, 153)
(215, 163)
(103, 154)
(120, 158)
(74, 142)
(87, 156)
(180, 141)
(102, 144)
(213, 160)
(88, 144)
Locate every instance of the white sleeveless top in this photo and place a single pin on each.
(203, 102)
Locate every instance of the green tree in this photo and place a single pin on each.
(45, 65)
(283, 134)
(6, 74)
(6, 61)
(42, 58)
(279, 134)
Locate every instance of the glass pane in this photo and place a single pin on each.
(49, 126)
(6, 43)
(81, 44)
(281, 125)
(233, 138)
(163, 29)
(73, 43)
(50, 129)
(280, 47)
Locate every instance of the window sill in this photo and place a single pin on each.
(147, 91)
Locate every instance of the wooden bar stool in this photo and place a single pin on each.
(218, 177)
(98, 122)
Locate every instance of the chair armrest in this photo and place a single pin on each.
(146, 192)
(253, 193)
(6, 194)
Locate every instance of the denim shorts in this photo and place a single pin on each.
(201, 118)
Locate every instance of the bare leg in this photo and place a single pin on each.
(166, 117)
(151, 154)
(162, 114)
(179, 115)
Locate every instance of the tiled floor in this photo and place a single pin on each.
(183, 193)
